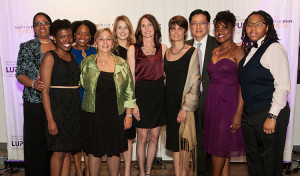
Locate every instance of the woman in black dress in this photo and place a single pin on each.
(123, 34)
(181, 65)
(30, 57)
(60, 96)
(108, 97)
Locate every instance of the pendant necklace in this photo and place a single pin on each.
(83, 53)
(178, 51)
(218, 53)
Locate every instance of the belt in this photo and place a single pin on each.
(64, 87)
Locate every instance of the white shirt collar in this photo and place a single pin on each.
(259, 42)
(203, 41)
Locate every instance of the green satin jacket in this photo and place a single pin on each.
(123, 81)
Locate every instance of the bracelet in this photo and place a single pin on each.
(129, 115)
(32, 84)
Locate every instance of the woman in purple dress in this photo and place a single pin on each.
(223, 106)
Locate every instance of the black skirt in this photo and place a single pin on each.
(150, 98)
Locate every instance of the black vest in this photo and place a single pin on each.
(256, 81)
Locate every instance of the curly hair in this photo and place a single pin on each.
(198, 12)
(59, 25)
(131, 38)
(92, 28)
(225, 17)
(157, 33)
(114, 42)
(270, 35)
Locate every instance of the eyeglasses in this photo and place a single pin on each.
(256, 25)
(200, 23)
(44, 23)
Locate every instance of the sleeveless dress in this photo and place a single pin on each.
(122, 52)
(105, 134)
(149, 89)
(176, 73)
(65, 106)
(220, 106)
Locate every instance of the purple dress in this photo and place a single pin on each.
(220, 106)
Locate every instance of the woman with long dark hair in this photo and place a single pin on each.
(265, 81)
(145, 59)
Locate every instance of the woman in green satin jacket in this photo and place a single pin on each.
(108, 93)
(122, 77)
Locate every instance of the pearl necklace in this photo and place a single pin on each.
(178, 51)
(147, 52)
(218, 53)
(46, 42)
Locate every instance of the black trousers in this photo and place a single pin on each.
(204, 163)
(264, 152)
(35, 148)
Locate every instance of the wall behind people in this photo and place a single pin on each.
(16, 16)
(3, 138)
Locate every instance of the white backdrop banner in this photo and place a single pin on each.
(16, 27)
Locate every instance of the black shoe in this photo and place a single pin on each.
(83, 172)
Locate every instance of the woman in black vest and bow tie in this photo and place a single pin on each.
(265, 80)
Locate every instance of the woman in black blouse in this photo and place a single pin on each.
(123, 34)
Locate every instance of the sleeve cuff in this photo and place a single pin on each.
(129, 103)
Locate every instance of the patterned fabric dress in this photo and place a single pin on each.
(65, 106)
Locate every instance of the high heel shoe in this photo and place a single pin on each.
(83, 172)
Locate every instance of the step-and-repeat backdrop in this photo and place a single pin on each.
(16, 27)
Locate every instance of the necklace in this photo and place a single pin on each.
(103, 63)
(178, 51)
(147, 52)
(83, 53)
(218, 53)
(46, 42)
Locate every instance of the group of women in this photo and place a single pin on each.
(91, 99)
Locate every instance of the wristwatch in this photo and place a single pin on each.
(272, 116)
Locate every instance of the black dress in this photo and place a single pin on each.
(65, 106)
(105, 134)
(176, 73)
(122, 52)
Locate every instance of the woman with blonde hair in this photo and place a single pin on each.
(124, 36)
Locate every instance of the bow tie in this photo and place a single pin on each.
(255, 45)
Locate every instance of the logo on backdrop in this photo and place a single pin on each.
(10, 68)
(24, 28)
(16, 142)
(282, 23)
(279, 23)
(104, 23)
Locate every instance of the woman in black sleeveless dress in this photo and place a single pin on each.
(60, 74)
(124, 36)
